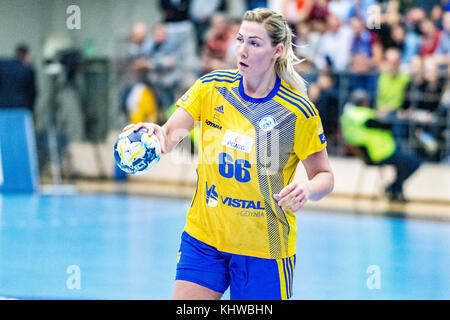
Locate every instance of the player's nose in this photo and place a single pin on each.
(242, 51)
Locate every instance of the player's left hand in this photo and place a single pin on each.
(294, 196)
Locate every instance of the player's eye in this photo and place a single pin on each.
(240, 39)
(254, 43)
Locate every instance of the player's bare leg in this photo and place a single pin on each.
(185, 290)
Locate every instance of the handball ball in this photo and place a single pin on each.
(136, 152)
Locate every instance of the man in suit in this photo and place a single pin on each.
(17, 81)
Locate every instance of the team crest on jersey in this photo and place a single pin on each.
(322, 137)
(267, 123)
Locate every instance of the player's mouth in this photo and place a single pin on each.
(241, 64)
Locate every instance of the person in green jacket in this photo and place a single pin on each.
(373, 137)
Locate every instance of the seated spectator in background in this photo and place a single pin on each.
(396, 38)
(253, 4)
(175, 15)
(17, 81)
(413, 39)
(217, 41)
(295, 11)
(366, 55)
(319, 11)
(306, 43)
(442, 53)
(231, 60)
(166, 57)
(436, 16)
(201, 12)
(430, 38)
(324, 95)
(422, 106)
(362, 9)
(375, 144)
(366, 49)
(392, 83)
(138, 100)
(137, 52)
(175, 11)
(138, 42)
(334, 47)
(340, 8)
(425, 88)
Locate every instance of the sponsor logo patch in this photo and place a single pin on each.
(212, 124)
(237, 141)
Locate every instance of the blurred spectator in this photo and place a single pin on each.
(413, 39)
(374, 142)
(296, 11)
(422, 106)
(166, 57)
(427, 5)
(391, 83)
(17, 80)
(306, 44)
(366, 50)
(366, 55)
(340, 8)
(201, 12)
(323, 94)
(334, 47)
(430, 38)
(443, 49)
(253, 4)
(362, 8)
(138, 100)
(175, 10)
(397, 39)
(217, 41)
(319, 11)
(231, 60)
(137, 52)
(176, 17)
(436, 16)
(139, 43)
(426, 87)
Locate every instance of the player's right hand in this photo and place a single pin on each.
(152, 128)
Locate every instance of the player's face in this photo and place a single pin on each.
(254, 50)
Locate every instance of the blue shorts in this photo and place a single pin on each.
(249, 278)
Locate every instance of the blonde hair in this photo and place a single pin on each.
(280, 32)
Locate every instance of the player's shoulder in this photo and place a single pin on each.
(298, 102)
(225, 76)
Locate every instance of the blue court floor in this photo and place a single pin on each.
(125, 247)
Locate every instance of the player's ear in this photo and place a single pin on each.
(278, 52)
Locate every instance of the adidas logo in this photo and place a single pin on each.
(219, 109)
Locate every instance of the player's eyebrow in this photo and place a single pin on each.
(251, 36)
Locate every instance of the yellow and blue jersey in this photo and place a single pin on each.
(249, 150)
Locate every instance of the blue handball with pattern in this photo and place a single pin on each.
(137, 152)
